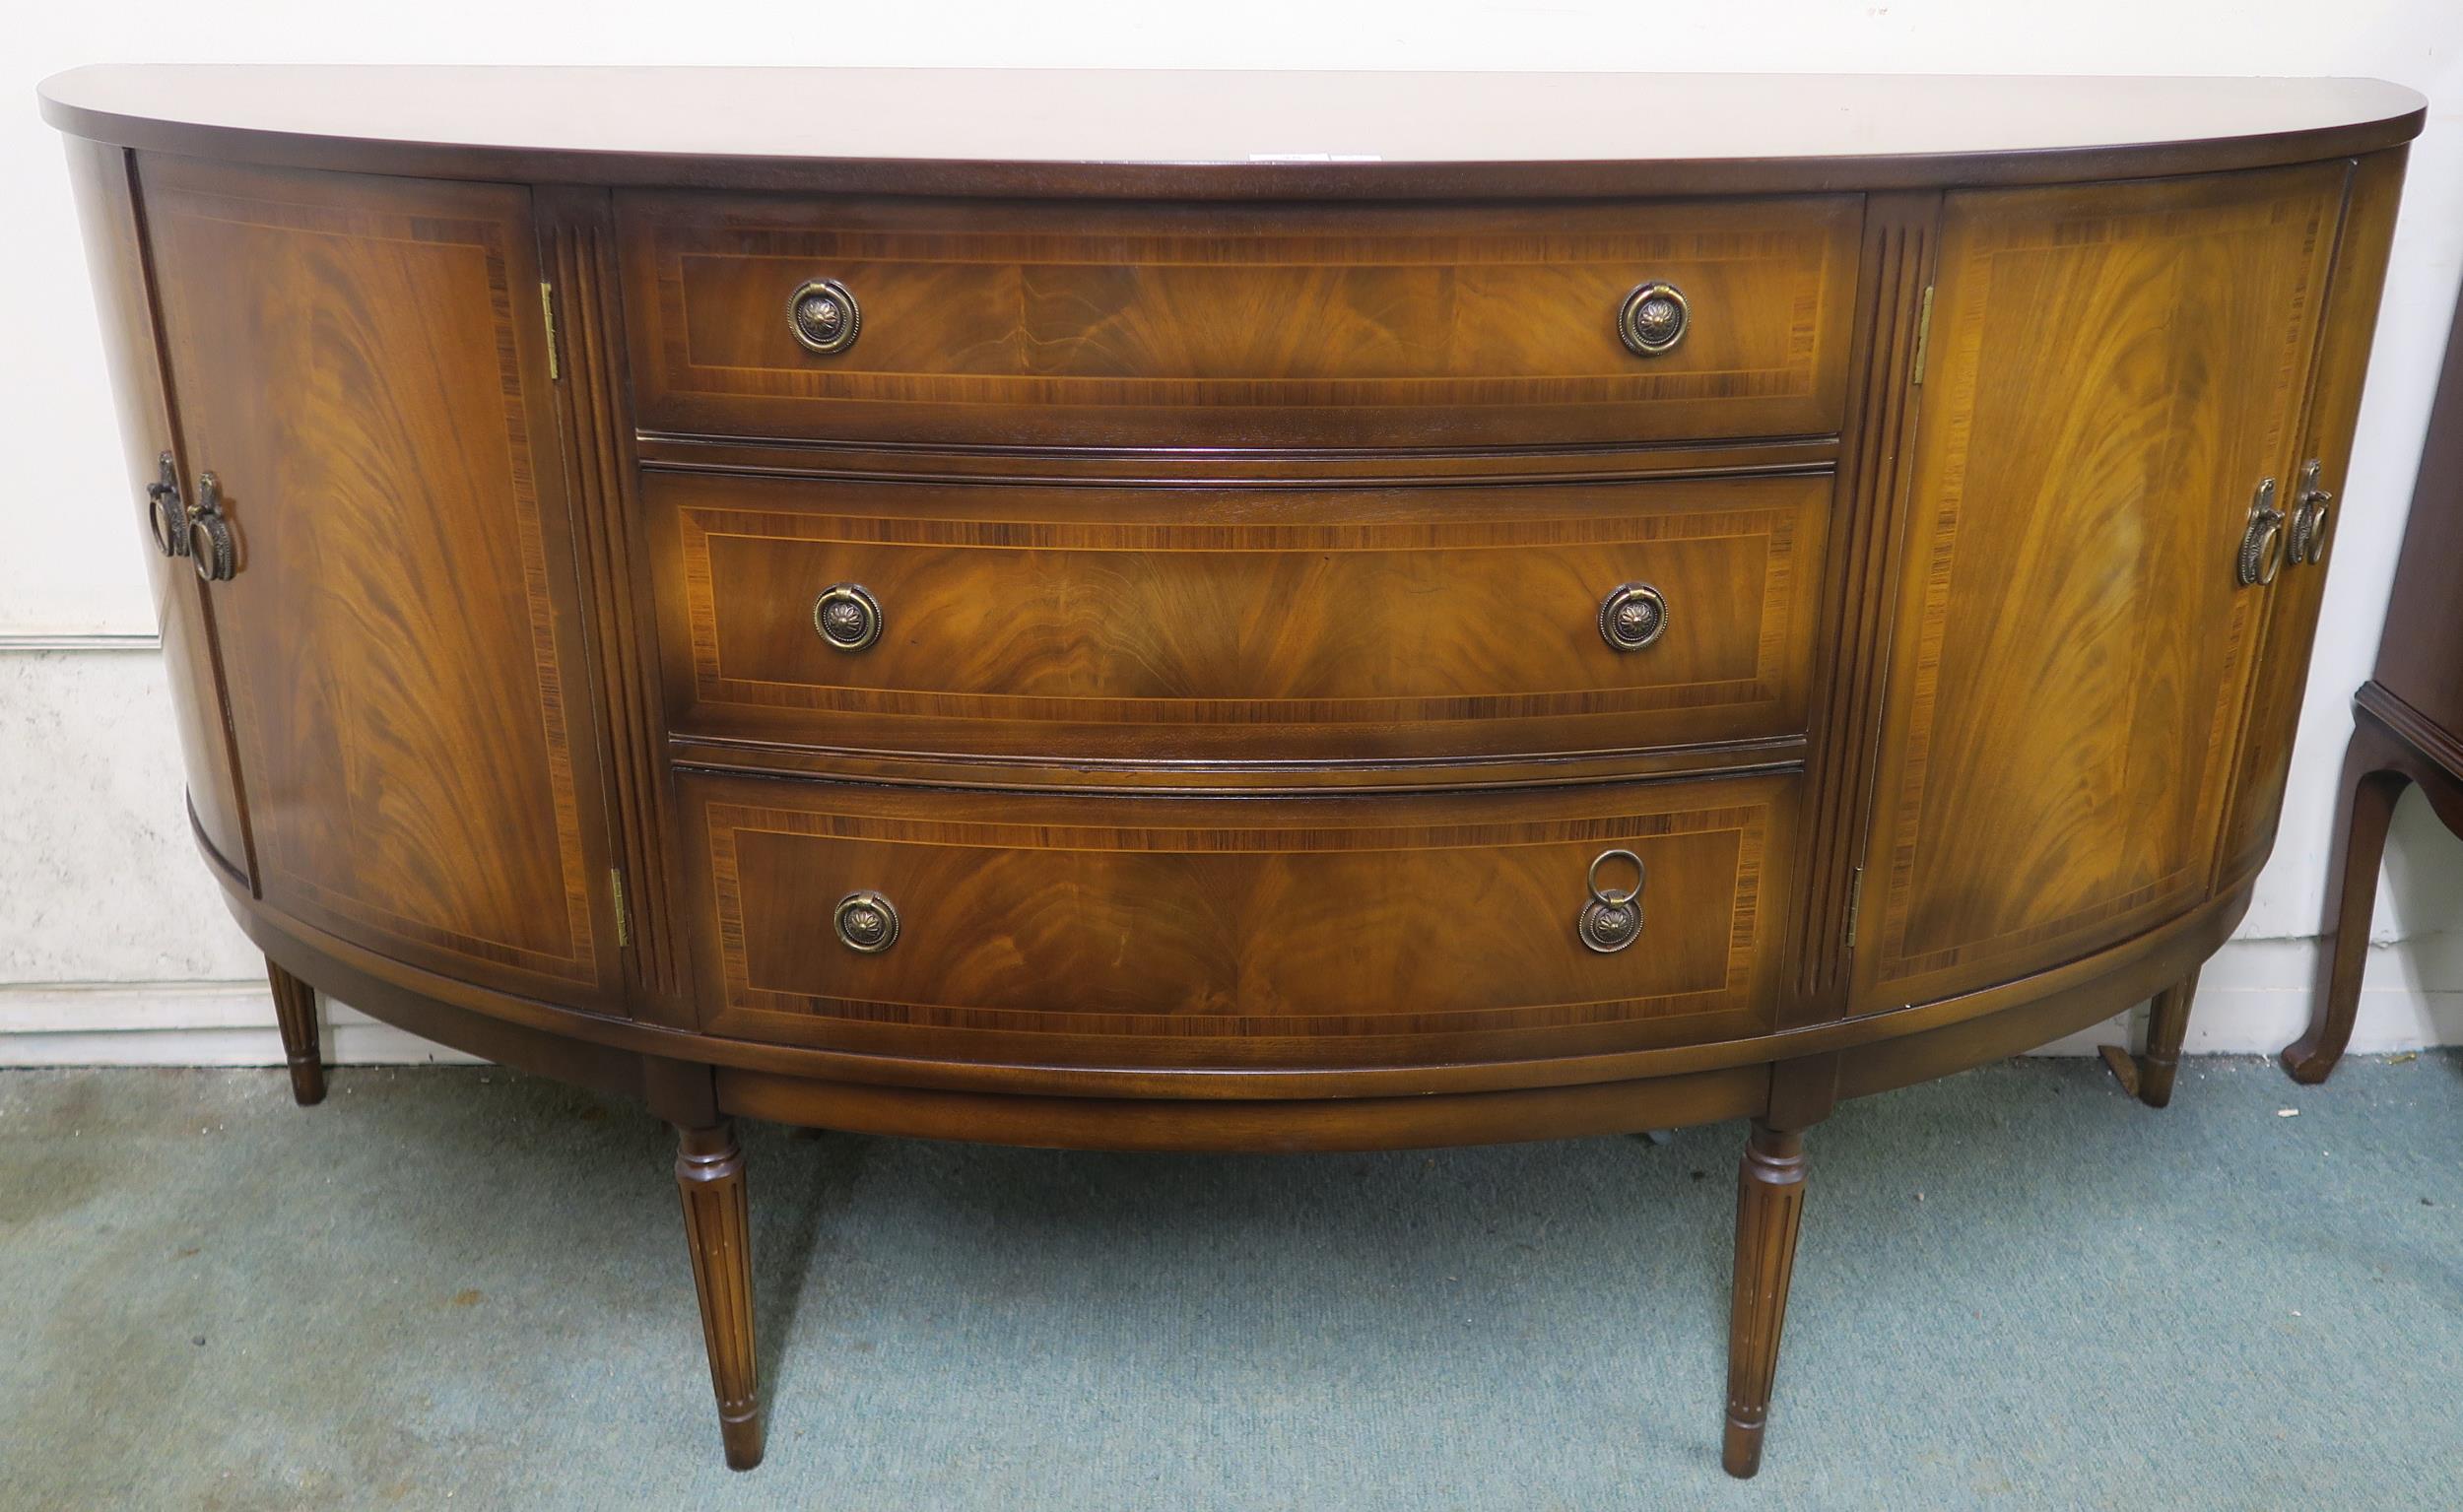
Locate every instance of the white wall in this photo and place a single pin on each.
(112, 943)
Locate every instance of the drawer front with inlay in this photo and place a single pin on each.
(1238, 624)
(1208, 930)
(1180, 326)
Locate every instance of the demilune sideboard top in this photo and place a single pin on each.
(1235, 611)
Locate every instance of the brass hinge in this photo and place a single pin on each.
(1855, 903)
(623, 922)
(546, 311)
(1923, 332)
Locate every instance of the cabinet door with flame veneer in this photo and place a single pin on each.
(2113, 371)
(361, 365)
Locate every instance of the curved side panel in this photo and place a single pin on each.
(359, 366)
(2113, 371)
(2011, 1021)
(1138, 1109)
(116, 258)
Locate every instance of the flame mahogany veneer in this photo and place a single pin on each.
(1234, 611)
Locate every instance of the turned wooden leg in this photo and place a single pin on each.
(2365, 807)
(1770, 1206)
(294, 1012)
(2168, 1023)
(717, 1225)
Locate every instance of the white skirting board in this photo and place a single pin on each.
(186, 1023)
(2253, 998)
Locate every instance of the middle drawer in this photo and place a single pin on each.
(1140, 623)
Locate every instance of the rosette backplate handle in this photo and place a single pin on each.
(1611, 917)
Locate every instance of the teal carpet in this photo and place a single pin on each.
(451, 1288)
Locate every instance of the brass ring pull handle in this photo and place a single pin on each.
(2310, 517)
(866, 923)
(2262, 544)
(166, 519)
(1612, 920)
(847, 617)
(1654, 319)
(210, 544)
(1633, 616)
(824, 316)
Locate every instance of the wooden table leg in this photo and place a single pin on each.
(718, 1227)
(2363, 808)
(2168, 1025)
(1769, 1207)
(295, 1013)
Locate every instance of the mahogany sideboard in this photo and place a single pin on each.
(1259, 611)
(2407, 725)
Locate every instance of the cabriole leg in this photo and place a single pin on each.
(1769, 1207)
(294, 1013)
(2366, 805)
(717, 1228)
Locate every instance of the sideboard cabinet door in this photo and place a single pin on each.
(361, 363)
(2112, 372)
(115, 260)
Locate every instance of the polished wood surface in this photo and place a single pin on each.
(2113, 371)
(718, 1231)
(117, 264)
(1240, 931)
(1240, 737)
(1180, 326)
(1246, 134)
(2420, 653)
(1211, 626)
(1770, 1210)
(2332, 415)
(400, 641)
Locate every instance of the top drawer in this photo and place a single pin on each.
(1146, 325)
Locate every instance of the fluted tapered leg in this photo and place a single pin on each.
(2168, 1023)
(1770, 1207)
(294, 1013)
(718, 1227)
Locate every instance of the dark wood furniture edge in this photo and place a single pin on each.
(1567, 180)
(2376, 701)
(1295, 469)
(1845, 724)
(594, 411)
(1873, 1053)
(2393, 746)
(730, 756)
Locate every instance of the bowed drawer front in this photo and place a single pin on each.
(1046, 929)
(1208, 622)
(1002, 323)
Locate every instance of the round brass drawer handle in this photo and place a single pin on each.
(824, 316)
(847, 617)
(866, 923)
(1612, 920)
(1633, 616)
(1654, 319)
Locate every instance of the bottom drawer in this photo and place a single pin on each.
(1055, 929)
